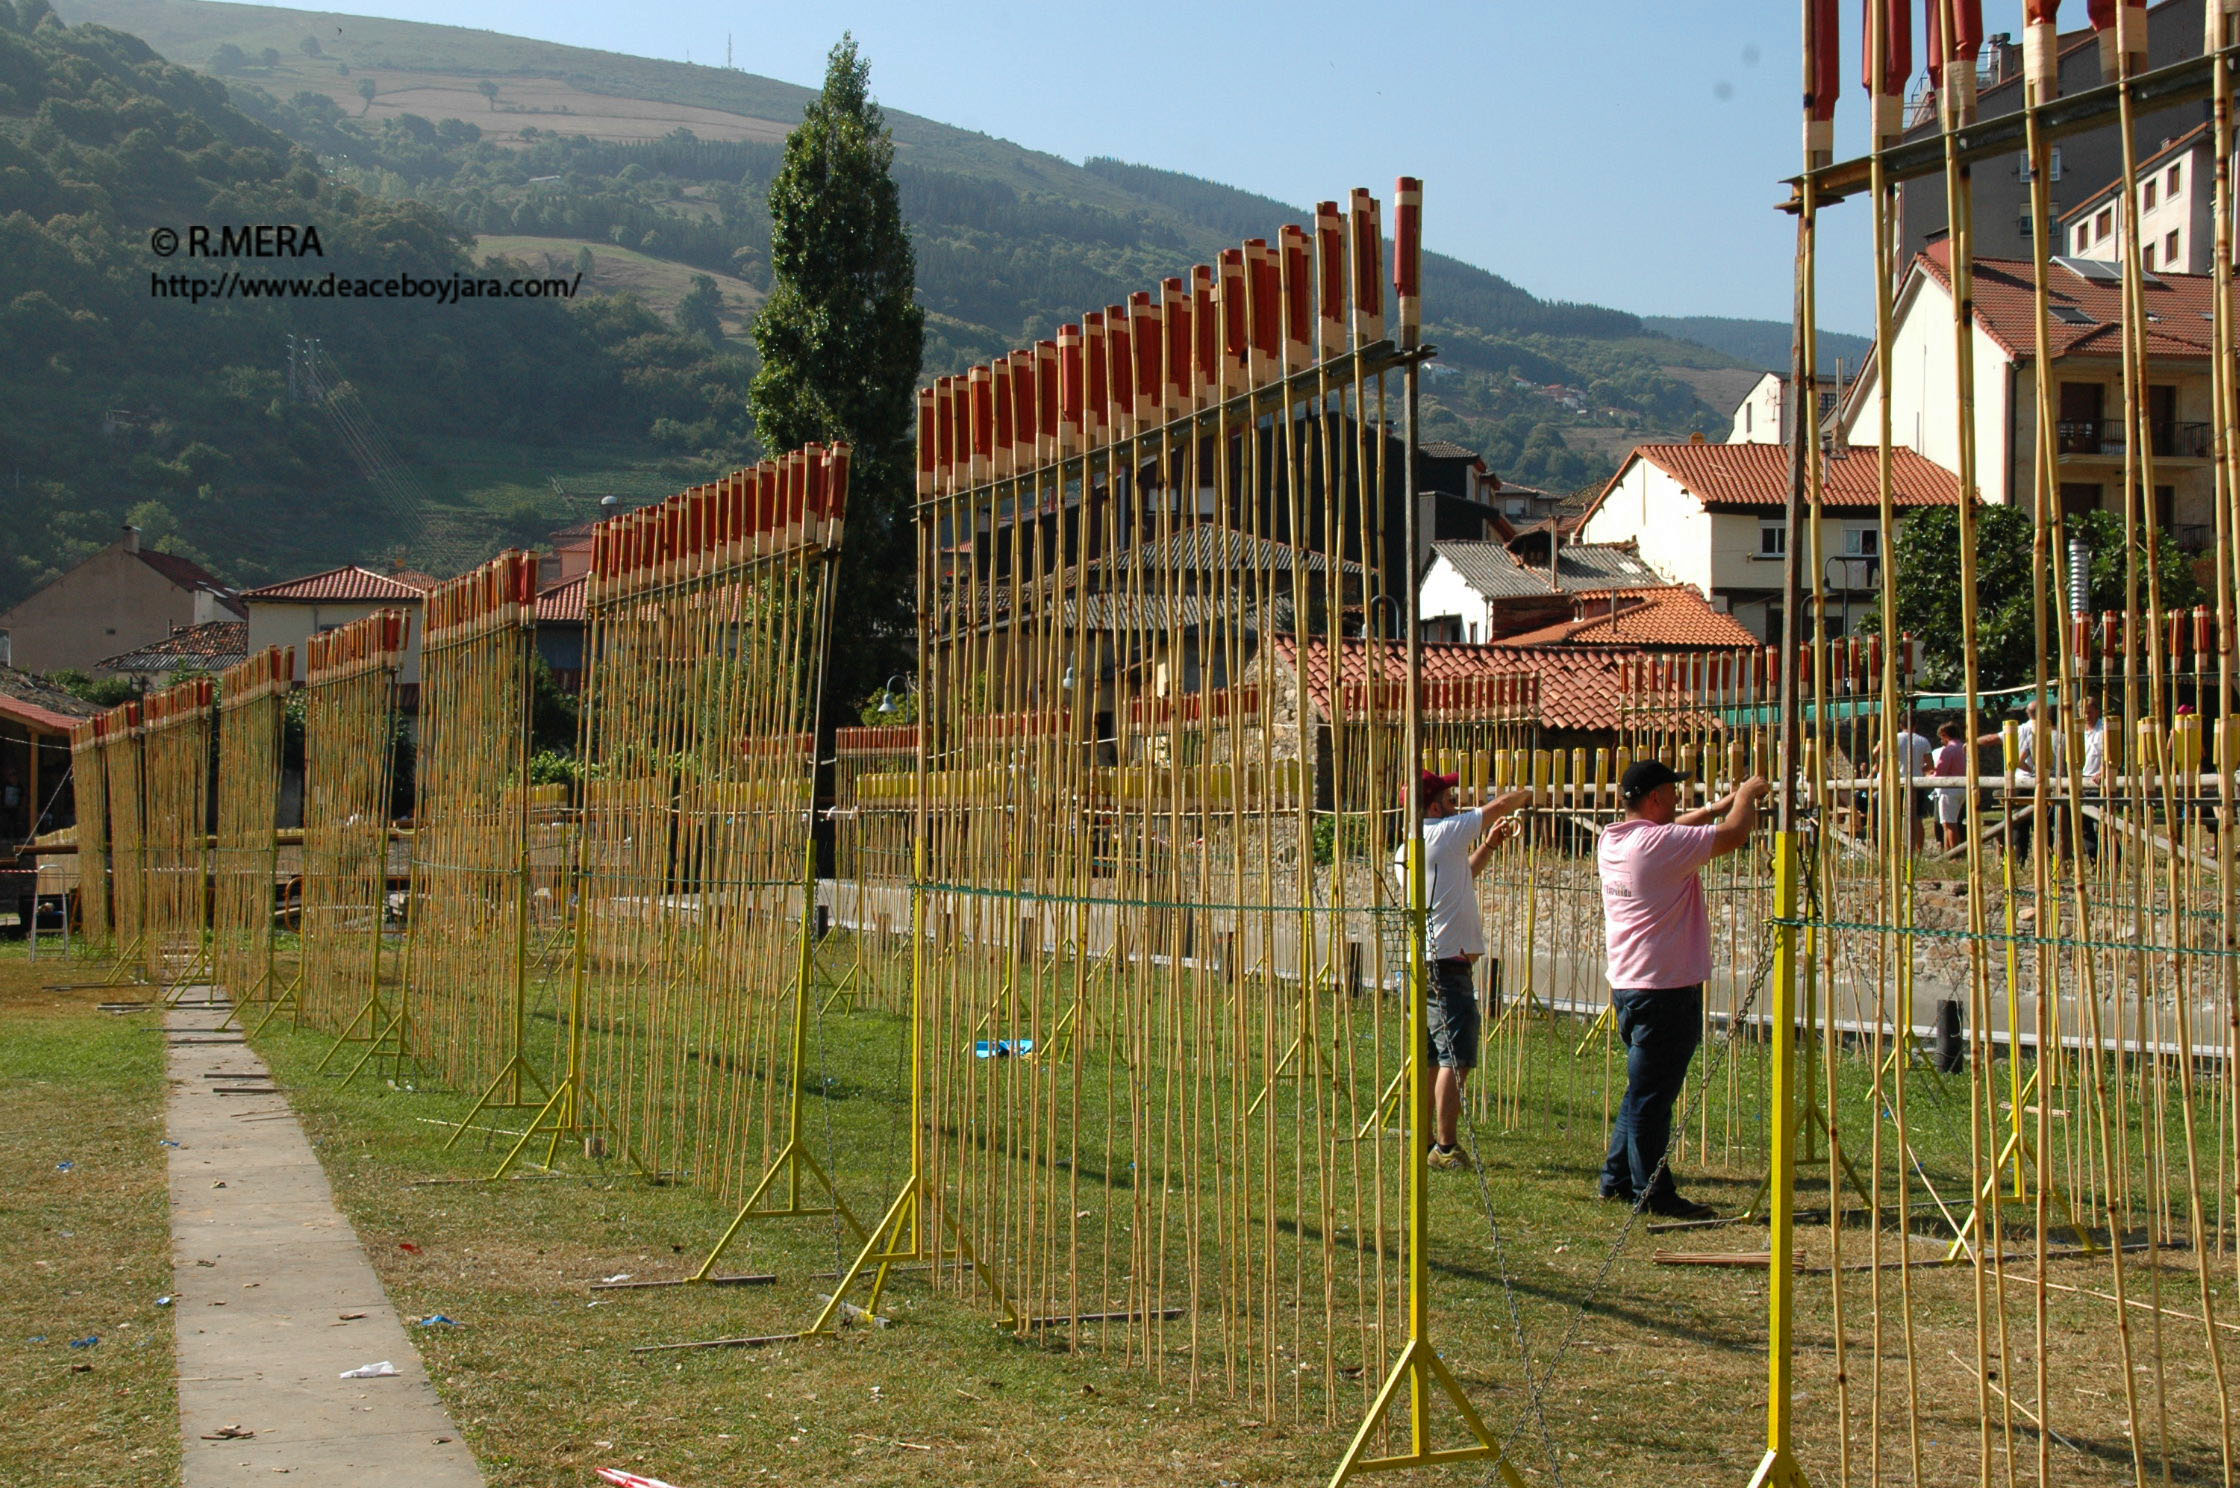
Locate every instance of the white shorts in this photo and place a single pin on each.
(1951, 805)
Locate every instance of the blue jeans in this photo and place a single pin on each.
(1451, 1015)
(1661, 1028)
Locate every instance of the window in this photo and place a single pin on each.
(2078, 497)
(2170, 182)
(2146, 197)
(2103, 224)
(2148, 256)
(2170, 251)
(1773, 540)
(1862, 542)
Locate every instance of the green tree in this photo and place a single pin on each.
(270, 57)
(489, 90)
(840, 338)
(309, 46)
(700, 312)
(228, 59)
(365, 91)
(1931, 599)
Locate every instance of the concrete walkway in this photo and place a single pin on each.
(266, 1271)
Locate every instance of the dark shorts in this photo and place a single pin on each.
(1451, 1016)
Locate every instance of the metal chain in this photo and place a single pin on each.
(1536, 1388)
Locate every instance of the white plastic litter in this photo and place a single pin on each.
(382, 1370)
(621, 1479)
(611, 1280)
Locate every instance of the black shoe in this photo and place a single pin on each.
(1672, 1206)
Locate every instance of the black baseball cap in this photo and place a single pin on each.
(1644, 776)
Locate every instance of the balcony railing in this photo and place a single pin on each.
(2172, 439)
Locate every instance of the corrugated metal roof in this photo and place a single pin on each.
(1495, 572)
(210, 647)
(1206, 546)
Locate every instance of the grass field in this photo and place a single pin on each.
(85, 1229)
(1644, 1373)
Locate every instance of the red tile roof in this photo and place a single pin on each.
(2179, 305)
(1750, 477)
(1663, 619)
(211, 647)
(349, 583)
(1578, 685)
(563, 602)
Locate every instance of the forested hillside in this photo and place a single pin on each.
(433, 431)
(179, 416)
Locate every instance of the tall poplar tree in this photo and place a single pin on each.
(840, 338)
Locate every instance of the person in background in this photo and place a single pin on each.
(1457, 845)
(1659, 941)
(2095, 771)
(1950, 762)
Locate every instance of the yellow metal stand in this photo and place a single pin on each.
(795, 1157)
(1419, 1371)
(1778, 1468)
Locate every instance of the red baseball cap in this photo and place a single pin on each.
(1431, 786)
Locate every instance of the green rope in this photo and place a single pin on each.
(1928, 933)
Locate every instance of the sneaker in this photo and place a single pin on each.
(1672, 1206)
(1451, 1158)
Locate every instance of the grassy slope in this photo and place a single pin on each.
(89, 1250)
(659, 282)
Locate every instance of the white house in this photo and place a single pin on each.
(2177, 213)
(290, 613)
(1715, 518)
(2085, 298)
(1482, 591)
(1762, 417)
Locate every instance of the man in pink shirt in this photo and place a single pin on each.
(1659, 934)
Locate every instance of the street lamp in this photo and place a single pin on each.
(887, 693)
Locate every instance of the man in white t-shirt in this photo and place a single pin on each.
(1915, 755)
(1659, 939)
(1457, 844)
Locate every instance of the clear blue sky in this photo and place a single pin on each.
(1623, 152)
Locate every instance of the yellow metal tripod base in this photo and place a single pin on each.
(892, 1242)
(791, 1161)
(1424, 1375)
(1777, 1469)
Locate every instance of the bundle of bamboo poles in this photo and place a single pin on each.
(1162, 949)
(710, 620)
(467, 953)
(350, 733)
(89, 778)
(2073, 1149)
(121, 761)
(179, 730)
(873, 818)
(245, 858)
